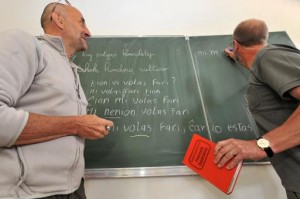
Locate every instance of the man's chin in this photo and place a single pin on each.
(84, 45)
(83, 48)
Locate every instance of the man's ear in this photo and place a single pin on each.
(58, 20)
(236, 44)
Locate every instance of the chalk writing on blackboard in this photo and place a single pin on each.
(150, 88)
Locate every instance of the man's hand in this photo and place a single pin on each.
(92, 127)
(229, 53)
(235, 151)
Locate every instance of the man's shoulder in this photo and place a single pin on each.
(274, 50)
(16, 33)
(17, 39)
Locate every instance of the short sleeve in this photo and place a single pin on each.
(280, 70)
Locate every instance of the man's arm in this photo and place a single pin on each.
(288, 134)
(41, 128)
(281, 138)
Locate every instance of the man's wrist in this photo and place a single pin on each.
(265, 145)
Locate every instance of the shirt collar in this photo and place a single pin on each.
(56, 42)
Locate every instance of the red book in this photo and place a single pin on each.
(200, 158)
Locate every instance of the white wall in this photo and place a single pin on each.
(161, 17)
(254, 182)
(170, 17)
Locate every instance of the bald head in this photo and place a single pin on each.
(68, 23)
(251, 32)
(48, 10)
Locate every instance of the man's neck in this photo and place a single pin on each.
(250, 54)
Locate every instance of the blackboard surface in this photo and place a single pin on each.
(159, 91)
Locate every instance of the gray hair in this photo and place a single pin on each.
(251, 32)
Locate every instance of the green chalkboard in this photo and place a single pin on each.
(223, 86)
(158, 91)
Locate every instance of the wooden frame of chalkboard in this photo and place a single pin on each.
(159, 91)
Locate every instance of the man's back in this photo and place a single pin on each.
(274, 73)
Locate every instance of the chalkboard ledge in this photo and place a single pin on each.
(147, 171)
(138, 172)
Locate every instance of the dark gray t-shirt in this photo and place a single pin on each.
(275, 71)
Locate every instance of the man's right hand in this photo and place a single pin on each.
(229, 53)
(92, 127)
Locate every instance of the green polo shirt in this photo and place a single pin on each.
(275, 71)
